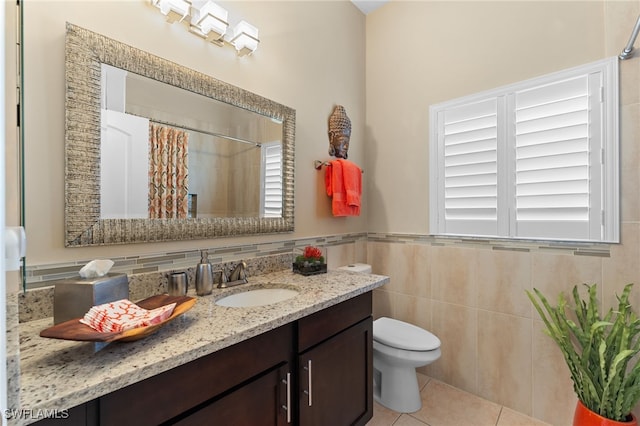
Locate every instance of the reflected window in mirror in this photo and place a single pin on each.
(271, 182)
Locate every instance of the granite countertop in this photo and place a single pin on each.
(60, 374)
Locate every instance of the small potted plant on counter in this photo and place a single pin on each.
(600, 353)
(310, 262)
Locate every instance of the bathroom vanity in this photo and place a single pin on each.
(303, 361)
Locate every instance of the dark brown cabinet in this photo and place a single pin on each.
(335, 382)
(316, 371)
(211, 384)
(335, 365)
(82, 415)
(263, 401)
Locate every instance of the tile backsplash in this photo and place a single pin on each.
(44, 275)
(38, 303)
(148, 274)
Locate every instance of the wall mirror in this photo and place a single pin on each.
(237, 158)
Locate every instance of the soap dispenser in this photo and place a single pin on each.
(204, 276)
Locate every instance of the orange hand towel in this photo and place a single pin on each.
(345, 188)
(352, 179)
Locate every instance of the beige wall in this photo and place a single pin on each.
(425, 52)
(300, 63)
(473, 296)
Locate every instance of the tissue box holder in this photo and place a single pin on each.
(72, 298)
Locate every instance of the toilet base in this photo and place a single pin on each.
(396, 388)
(395, 361)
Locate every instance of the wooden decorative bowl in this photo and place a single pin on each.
(75, 330)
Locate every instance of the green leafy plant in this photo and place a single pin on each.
(599, 351)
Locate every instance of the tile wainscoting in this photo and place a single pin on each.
(42, 275)
(472, 295)
(148, 273)
(468, 288)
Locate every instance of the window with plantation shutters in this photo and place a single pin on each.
(536, 159)
(271, 180)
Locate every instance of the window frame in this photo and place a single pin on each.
(506, 226)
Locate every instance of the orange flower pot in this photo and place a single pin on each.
(585, 417)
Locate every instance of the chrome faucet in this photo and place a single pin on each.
(239, 272)
(237, 276)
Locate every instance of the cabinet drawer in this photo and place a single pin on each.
(320, 326)
(162, 397)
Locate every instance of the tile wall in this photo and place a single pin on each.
(471, 294)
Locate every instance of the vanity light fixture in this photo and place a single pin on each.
(245, 38)
(174, 10)
(209, 21)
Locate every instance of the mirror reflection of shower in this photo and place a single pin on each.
(232, 167)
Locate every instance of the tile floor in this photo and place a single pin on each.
(444, 405)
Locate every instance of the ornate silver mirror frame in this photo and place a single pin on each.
(85, 52)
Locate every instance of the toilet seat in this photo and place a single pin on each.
(403, 356)
(402, 335)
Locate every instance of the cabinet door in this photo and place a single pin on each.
(171, 394)
(335, 379)
(264, 401)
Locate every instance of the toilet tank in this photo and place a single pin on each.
(362, 268)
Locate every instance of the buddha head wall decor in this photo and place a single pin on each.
(339, 132)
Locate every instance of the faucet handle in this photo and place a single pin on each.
(243, 270)
(224, 276)
(224, 279)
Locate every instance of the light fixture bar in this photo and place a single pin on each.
(210, 21)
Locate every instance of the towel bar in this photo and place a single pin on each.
(317, 164)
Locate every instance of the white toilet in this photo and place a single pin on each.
(398, 349)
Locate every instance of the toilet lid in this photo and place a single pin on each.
(402, 335)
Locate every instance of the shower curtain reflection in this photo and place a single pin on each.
(168, 172)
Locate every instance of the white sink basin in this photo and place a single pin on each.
(257, 297)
